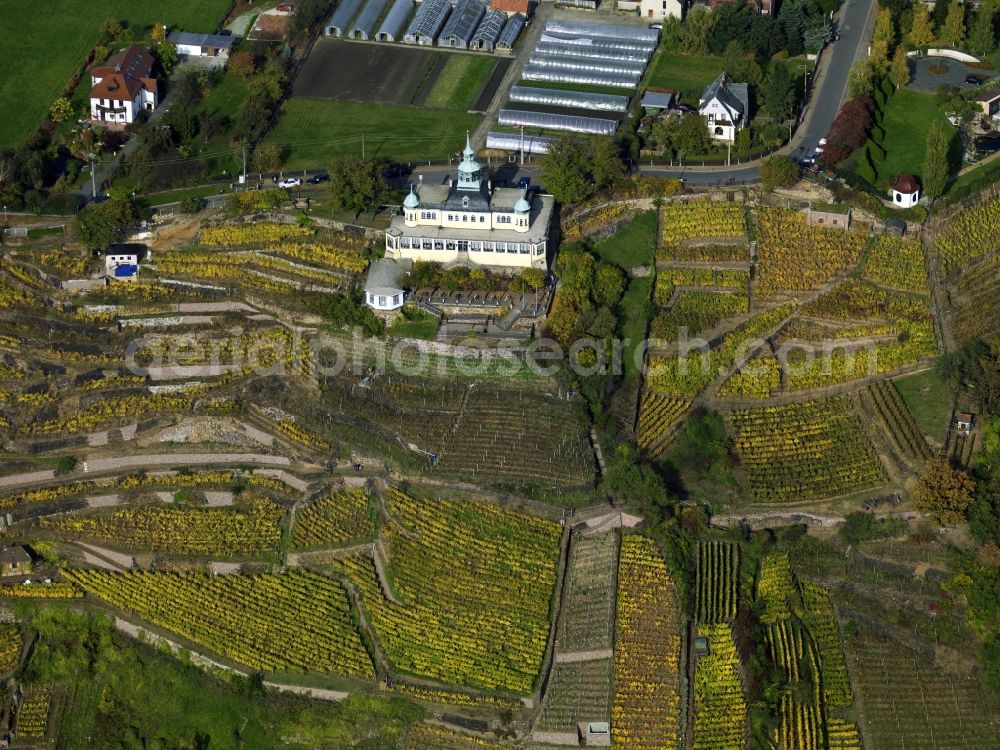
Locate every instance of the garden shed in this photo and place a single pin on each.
(384, 283)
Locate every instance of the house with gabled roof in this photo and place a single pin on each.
(726, 106)
(123, 87)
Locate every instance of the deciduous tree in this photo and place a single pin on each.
(945, 492)
(953, 31)
(243, 64)
(921, 29)
(564, 170)
(61, 110)
(778, 171)
(982, 37)
(266, 158)
(899, 72)
(779, 93)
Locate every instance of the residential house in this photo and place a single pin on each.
(123, 87)
(726, 106)
(202, 45)
(964, 422)
(14, 560)
(659, 8)
(988, 101)
(470, 221)
(121, 266)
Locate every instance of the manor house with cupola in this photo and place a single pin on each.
(470, 221)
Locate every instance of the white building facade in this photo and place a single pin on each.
(123, 87)
(726, 107)
(473, 222)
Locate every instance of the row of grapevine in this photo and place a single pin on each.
(646, 709)
(657, 415)
(475, 582)
(804, 451)
(775, 587)
(902, 426)
(298, 621)
(822, 622)
(720, 709)
(334, 519)
(716, 581)
(250, 529)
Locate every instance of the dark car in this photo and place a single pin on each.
(316, 179)
(685, 108)
(396, 170)
(975, 80)
(523, 183)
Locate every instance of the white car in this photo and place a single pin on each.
(290, 182)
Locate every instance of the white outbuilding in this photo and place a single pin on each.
(384, 283)
(905, 192)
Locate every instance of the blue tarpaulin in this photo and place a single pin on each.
(125, 270)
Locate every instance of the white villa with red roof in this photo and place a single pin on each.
(123, 87)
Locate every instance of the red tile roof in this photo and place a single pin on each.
(124, 75)
(905, 183)
(510, 6)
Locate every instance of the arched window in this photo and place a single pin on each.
(465, 201)
(718, 131)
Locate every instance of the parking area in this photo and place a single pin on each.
(930, 73)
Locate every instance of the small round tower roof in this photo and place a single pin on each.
(522, 206)
(906, 183)
(469, 165)
(412, 200)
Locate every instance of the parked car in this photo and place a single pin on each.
(523, 183)
(656, 26)
(316, 179)
(290, 182)
(975, 80)
(685, 108)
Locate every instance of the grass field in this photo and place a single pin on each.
(459, 84)
(43, 44)
(632, 245)
(929, 399)
(315, 132)
(688, 74)
(907, 121)
(633, 311)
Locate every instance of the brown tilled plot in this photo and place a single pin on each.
(377, 74)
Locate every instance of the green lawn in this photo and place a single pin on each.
(907, 121)
(632, 245)
(315, 132)
(42, 43)
(419, 325)
(929, 399)
(461, 80)
(688, 74)
(175, 196)
(633, 314)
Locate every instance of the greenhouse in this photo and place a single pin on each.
(364, 25)
(342, 17)
(462, 24)
(550, 121)
(533, 72)
(532, 144)
(427, 22)
(602, 42)
(488, 32)
(511, 31)
(395, 21)
(565, 62)
(569, 99)
(651, 37)
(597, 51)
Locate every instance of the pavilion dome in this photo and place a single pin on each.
(412, 200)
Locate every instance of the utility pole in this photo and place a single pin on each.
(93, 177)
(362, 147)
(522, 145)
(244, 163)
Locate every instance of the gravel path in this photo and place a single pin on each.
(33, 477)
(123, 561)
(102, 501)
(183, 459)
(575, 656)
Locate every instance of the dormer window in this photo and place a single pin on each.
(465, 201)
